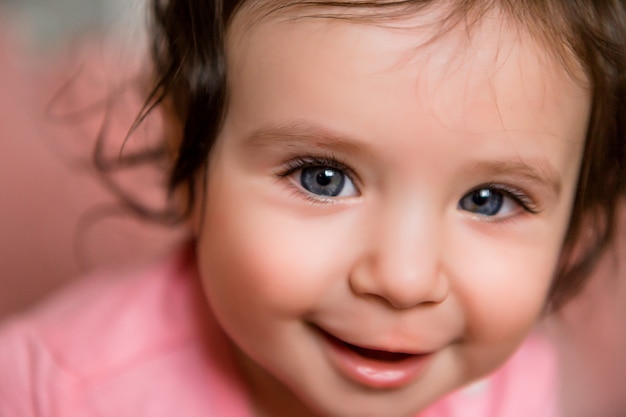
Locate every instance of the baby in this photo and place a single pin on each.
(383, 198)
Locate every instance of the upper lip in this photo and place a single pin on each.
(372, 347)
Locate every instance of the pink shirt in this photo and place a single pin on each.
(143, 343)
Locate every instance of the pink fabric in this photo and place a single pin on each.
(143, 343)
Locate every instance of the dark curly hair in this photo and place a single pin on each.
(189, 77)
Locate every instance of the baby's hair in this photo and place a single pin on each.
(586, 36)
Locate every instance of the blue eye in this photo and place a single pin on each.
(487, 202)
(326, 181)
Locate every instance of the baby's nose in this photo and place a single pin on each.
(402, 263)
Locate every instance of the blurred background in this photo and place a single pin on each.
(70, 72)
(49, 23)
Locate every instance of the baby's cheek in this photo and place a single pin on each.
(279, 265)
(504, 294)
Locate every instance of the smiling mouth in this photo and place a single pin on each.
(373, 368)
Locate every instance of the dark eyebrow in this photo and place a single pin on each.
(298, 134)
(301, 134)
(537, 171)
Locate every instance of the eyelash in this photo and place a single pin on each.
(301, 162)
(525, 201)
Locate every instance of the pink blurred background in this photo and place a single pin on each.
(54, 84)
(50, 197)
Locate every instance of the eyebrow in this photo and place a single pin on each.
(297, 134)
(537, 171)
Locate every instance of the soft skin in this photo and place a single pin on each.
(396, 261)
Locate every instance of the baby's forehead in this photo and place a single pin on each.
(484, 39)
(463, 27)
(494, 79)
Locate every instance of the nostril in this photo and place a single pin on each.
(399, 281)
(407, 299)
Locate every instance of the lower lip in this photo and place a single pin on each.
(371, 372)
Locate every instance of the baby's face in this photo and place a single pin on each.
(383, 219)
